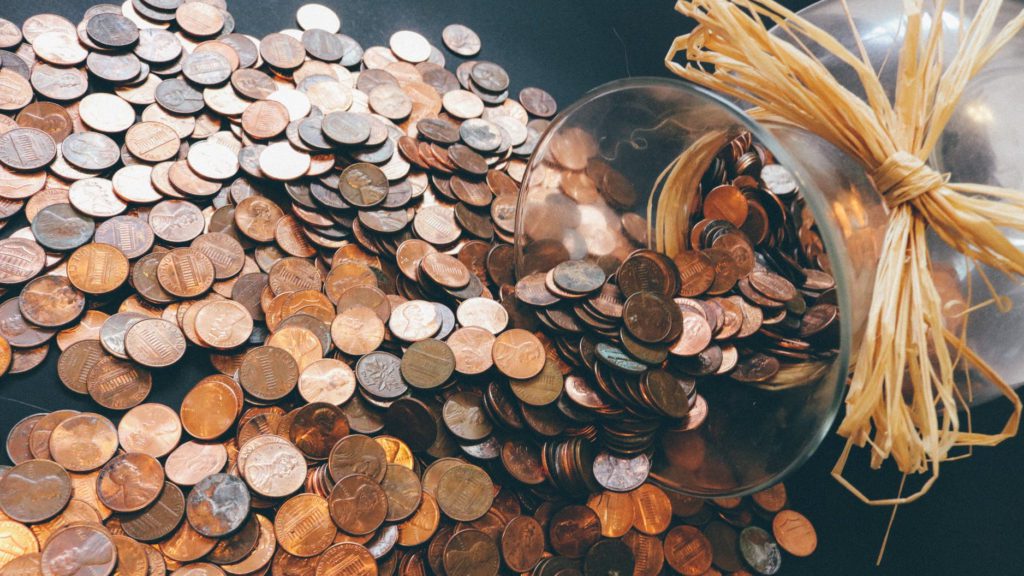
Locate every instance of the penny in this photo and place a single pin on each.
(50, 301)
(538, 102)
(522, 543)
(415, 320)
(158, 520)
(445, 270)
(193, 461)
(518, 354)
(97, 268)
(217, 505)
(16, 331)
(154, 343)
(26, 149)
(244, 546)
(465, 493)
(687, 550)
(462, 41)
(224, 325)
(61, 228)
(17, 91)
(471, 553)
(83, 442)
(209, 409)
(653, 509)
(316, 428)
(275, 470)
(17, 443)
(573, 530)
(303, 525)
(472, 348)
(185, 272)
(358, 504)
(152, 429)
(428, 364)
(83, 550)
(357, 454)
(130, 482)
(152, 141)
(200, 19)
(346, 558)
(186, 545)
(117, 384)
(304, 346)
(268, 373)
(795, 533)
(20, 260)
(34, 491)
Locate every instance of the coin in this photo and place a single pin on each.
(209, 409)
(573, 530)
(97, 268)
(152, 429)
(795, 534)
(26, 149)
(471, 552)
(89, 550)
(303, 525)
(34, 491)
(185, 272)
(83, 442)
(461, 40)
(358, 504)
(130, 482)
(192, 461)
(217, 505)
(50, 301)
(465, 493)
(275, 470)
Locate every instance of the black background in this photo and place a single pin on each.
(968, 524)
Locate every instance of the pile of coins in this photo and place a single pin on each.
(332, 227)
(750, 301)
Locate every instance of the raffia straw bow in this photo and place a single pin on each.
(905, 341)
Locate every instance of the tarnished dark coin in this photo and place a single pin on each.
(175, 95)
(471, 553)
(489, 76)
(573, 530)
(688, 551)
(760, 551)
(317, 427)
(218, 505)
(90, 151)
(61, 228)
(112, 30)
(538, 102)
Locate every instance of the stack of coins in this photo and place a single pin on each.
(332, 228)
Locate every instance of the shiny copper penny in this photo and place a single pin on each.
(20, 260)
(186, 545)
(34, 491)
(18, 437)
(327, 380)
(97, 268)
(303, 525)
(152, 429)
(224, 324)
(317, 427)
(83, 442)
(224, 251)
(275, 470)
(357, 331)
(82, 550)
(794, 533)
(257, 217)
(130, 482)
(176, 221)
(518, 354)
(346, 559)
(155, 343)
(357, 454)
(209, 409)
(185, 272)
(653, 509)
(688, 551)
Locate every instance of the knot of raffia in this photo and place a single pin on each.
(903, 177)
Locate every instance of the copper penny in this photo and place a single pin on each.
(224, 324)
(794, 533)
(83, 442)
(688, 551)
(209, 409)
(257, 217)
(346, 559)
(155, 343)
(97, 268)
(152, 429)
(34, 491)
(268, 373)
(317, 427)
(51, 301)
(357, 331)
(275, 470)
(185, 272)
(653, 509)
(357, 454)
(465, 493)
(186, 545)
(303, 525)
(358, 504)
(130, 482)
(518, 354)
(20, 260)
(176, 221)
(471, 553)
(193, 461)
(118, 384)
(81, 550)
(473, 350)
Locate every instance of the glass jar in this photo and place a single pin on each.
(753, 436)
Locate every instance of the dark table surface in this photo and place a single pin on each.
(968, 524)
